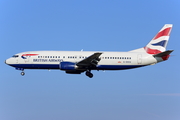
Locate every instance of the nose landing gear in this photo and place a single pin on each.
(89, 74)
(22, 73)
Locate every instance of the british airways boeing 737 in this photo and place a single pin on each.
(77, 62)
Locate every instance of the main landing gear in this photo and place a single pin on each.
(89, 74)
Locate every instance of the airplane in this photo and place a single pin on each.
(77, 62)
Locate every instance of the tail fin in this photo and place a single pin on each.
(159, 42)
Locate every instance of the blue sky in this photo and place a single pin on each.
(149, 93)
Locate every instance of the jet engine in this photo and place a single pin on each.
(67, 66)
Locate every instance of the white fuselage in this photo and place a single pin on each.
(52, 59)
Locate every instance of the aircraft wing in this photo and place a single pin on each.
(90, 61)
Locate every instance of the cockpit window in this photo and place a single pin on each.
(15, 56)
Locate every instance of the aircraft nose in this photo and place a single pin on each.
(7, 61)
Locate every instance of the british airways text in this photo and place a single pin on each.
(47, 60)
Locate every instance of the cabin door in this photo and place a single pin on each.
(139, 59)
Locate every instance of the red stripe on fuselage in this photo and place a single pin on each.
(29, 54)
(151, 51)
(165, 32)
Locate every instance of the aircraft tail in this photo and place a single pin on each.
(159, 42)
(163, 55)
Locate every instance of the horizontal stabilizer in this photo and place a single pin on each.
(166, 53)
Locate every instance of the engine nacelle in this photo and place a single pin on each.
(67, 66)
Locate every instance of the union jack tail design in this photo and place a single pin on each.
(159, 42)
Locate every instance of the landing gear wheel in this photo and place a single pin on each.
(89, 74)
(22, 73)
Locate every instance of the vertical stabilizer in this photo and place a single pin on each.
(159, 42)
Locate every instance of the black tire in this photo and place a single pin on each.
(22, 73)
(90, 75)
(87, 73)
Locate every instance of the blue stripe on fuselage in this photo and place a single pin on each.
(117, 67)
(56, 66)
(36, 66)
